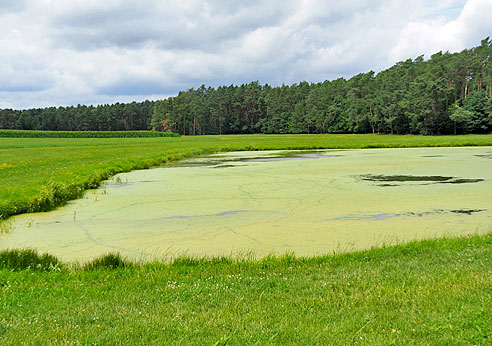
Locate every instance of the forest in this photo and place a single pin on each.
(449, 93)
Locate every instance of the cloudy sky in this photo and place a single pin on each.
(58, 52)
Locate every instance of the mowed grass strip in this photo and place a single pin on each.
(432, 292)
(39, 174)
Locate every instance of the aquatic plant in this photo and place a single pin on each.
(5, 226)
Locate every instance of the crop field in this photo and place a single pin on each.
(431, 292)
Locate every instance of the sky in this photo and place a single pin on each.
(59, 53)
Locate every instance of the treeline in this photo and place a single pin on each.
(449, 93)
(117, 117)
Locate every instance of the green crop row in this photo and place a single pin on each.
(83, 134)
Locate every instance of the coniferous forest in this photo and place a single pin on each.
(450, 93)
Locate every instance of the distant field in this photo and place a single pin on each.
(38, 174)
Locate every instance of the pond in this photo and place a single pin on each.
(271, 202)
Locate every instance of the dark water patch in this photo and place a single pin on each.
(226, 166)
(425, 213)
(467, 211)
(225, 213)
(308, 153)
(485, 156)
(376, 217)
(291, 156)
(404, 178)
(443, 211)
(427, 179)
(276, 158)
(221, 161)
(462, 181)
(384, 216)
(214, 162)
(195, 164)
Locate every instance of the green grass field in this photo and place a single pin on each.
(433, 292)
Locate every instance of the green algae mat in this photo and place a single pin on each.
(39, 174)
(271, 202)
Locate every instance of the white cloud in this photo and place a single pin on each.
(442, 34)
(70, 52)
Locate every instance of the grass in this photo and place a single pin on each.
(39, 174)
(433, 292)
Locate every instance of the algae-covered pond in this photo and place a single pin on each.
(306, 203)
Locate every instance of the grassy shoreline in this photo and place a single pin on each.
(40, 174)
(430, 292)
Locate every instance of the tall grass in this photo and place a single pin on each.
(109, 261)
(28, 259)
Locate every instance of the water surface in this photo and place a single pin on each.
(307, 203)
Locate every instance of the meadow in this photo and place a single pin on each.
(432, 292)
